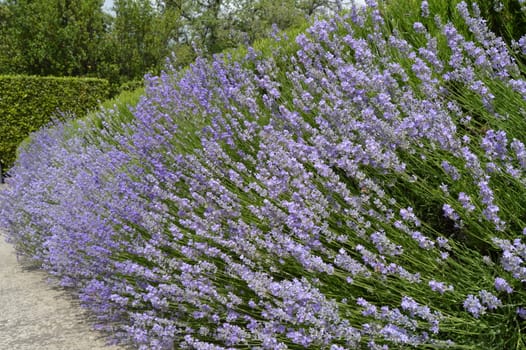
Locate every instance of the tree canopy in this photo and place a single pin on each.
(77, 38)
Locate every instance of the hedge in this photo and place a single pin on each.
(29, 102)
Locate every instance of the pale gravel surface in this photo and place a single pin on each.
(35, 315)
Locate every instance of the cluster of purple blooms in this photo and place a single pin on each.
(280, 202)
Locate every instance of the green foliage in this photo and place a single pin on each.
(77, 38)
(505, 20)
(256, 18)
(125, 99)
(140, 37)
(422, 191)
(28, 103)
(49, 37)
(120, 108)
(222, 24)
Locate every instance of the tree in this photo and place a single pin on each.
(76, 38)
(201, 22)
(212, 26)
(256, 18)
(8, 57)
(53, 37)
(142, 36)
(215, 25)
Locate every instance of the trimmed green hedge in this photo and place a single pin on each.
(29, 102)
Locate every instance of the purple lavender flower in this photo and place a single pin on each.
(450, 213)
(502, 285)
(473, 305)
(495, 144)
(384, 245)
(451, 170)
(408, 215)
(215, 217)
(424, 8)
(513, 257)
(520, 152)
(489, 300)
(440, 287)
(465, 200)
(419, 27)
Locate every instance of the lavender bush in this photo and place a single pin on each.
(361, 187)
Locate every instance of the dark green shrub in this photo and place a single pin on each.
(29, 102)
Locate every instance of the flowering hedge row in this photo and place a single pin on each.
(29, 102)
(365, 191)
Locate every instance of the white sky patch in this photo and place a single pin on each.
(108, 6)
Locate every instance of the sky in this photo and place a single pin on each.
(108, 5)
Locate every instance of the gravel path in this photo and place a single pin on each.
(34, 315)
